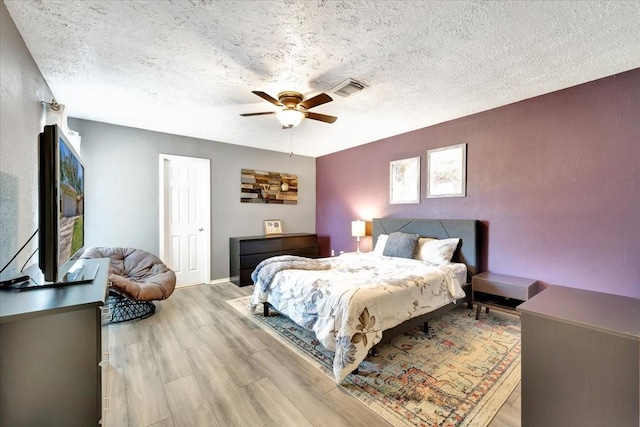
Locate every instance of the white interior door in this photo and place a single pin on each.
(185, 244)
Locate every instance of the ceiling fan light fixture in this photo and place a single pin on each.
(290, 117)
(293, 108)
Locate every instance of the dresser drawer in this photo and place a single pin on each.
(306, 252)
(251, 261)
(299, 242)
(245, 253)
(254, 260)
(260, 246)
(245, 277)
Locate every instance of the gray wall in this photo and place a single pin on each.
(122, 188)
(22, 90)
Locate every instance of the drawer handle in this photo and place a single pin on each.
(106, 312)
(105, 359)
(106, 404)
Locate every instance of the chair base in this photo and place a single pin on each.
(123, 309)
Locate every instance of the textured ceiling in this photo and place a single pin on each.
(188, 67)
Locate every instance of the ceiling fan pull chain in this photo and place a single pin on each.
(291, 142)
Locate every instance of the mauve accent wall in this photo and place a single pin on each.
(554, 180)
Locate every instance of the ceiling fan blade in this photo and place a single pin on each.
(267, 97)
(257, 114)
(323, 98)
(321, 117)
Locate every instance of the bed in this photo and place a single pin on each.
(356, 301)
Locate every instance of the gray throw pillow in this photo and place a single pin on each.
(401, 245)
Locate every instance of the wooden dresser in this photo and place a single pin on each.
(245, 253)
(54, 354)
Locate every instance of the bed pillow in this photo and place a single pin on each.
(380, 244)
(436, 251)
(401, 245)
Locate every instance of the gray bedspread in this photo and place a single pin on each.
(267, 269)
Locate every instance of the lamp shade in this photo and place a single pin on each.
(290, 117)
(358, 228)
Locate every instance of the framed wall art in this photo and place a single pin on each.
(268, 187)
(272, 226)
(447, 171)
(404, 181)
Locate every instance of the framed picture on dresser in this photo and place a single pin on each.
(272, 226)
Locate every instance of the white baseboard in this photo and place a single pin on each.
(187, 285)
(218, 281)
(213, 282)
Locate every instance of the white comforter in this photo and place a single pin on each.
(349, 305)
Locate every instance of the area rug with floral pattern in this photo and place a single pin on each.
(458, 377)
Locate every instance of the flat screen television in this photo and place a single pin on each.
(61, 204)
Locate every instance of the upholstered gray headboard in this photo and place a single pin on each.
(468, 230)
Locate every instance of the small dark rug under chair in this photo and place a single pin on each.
(459, 377)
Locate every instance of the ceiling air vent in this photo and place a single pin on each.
(348, 87)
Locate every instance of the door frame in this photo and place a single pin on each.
(163, 160)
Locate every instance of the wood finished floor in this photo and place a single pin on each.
(196, 362)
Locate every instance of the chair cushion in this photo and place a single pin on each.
(136, 273)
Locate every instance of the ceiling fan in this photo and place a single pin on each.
(293, 108)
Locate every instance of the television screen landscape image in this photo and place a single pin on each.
(61, 203)
(71, 225)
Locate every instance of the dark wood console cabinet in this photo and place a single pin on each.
(245, 253)
(580, 359)
(54, 354)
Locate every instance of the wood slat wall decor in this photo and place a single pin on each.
(268, 187)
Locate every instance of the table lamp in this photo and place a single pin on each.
(357, 231)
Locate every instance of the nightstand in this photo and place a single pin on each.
(501, 292)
